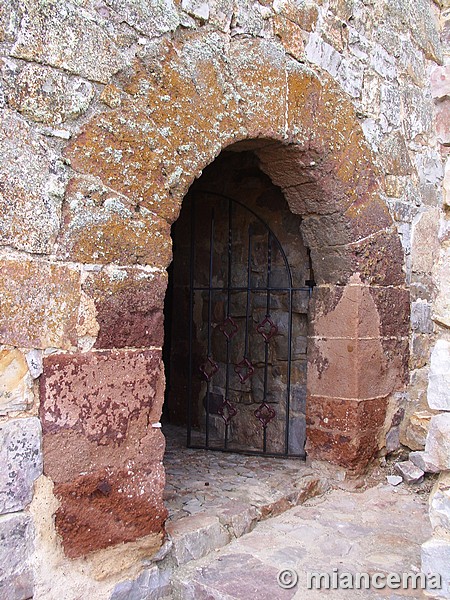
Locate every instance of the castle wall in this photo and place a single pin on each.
(110, 110)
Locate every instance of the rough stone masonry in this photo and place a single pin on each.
(109, 111)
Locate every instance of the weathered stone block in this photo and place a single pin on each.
(302, 13)
(150, 17)
(196, 8)
(437, 444)
(446, 184)
(102, 227)
(423, 462)
(9, 21)
(417, 430)
(196, 536)
(99, 394)
(34, 362)
(64, 36)
(44, 94)
(346, 416)
(31, 187)
(410, 472)
(352, 451)
(443, 120)
(322, 54)
(418, 111)
(116, 142)
(436, 560)
(15, 382)
(290, 35)
(425, 244)
(438, 394)
(129, 307)
(395, 155)
(21, 459)
(355, 368)
(16, 546)
(39, 304)
(441, 275)
(439, 506)
(421, 316)
(152, 584)
(239, 518)
(113, 505)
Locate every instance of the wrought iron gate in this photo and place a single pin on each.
(239, 277)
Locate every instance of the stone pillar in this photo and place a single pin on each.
(357, 357)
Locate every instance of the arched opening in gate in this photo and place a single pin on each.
(236, 314)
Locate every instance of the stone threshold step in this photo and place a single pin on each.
(195, 536)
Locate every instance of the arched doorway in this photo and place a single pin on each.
(236, 313)
(174, 117)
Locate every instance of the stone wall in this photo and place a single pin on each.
(436, 456)
(110, 110)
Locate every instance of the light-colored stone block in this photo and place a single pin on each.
(446, 184)
(438, 394)
(21, 460)
(417, 428)
(441, 276)
(410, 472)
(440, 506)
(422, 460)
(195, 536)
(436, 560)
(15, 382)
(437, 444)
(16, 545)
(152, 584)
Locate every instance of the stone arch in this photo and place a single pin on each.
(169, 116)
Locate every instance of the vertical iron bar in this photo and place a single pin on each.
(227, 376)
(288, 394)
(191, 319)
(247, 308)
(208, 383)
(266, 341)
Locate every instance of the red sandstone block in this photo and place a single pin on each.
(109, 507)
(346, 416)
(129, 307)
(99, 394)
(354, 452)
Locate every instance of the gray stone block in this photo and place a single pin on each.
(423, 461)
(409, 471)
(21, 460)
(438, 394)
(152, 584)
(437, 445)
(194, 537)
(16, 545)
(439, 506)
(436, 560)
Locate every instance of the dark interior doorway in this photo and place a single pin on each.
(236, 314)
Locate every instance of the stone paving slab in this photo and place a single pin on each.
(378, 530)
(215, 497)
(220, 484)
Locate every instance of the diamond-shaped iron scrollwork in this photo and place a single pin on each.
(227, 411)
(267, 328)
(244, 369)
(264, 413)
(209, 368)
(229, 328)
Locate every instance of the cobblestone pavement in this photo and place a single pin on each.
(217, 483)
(223, 552)
(378, 530)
